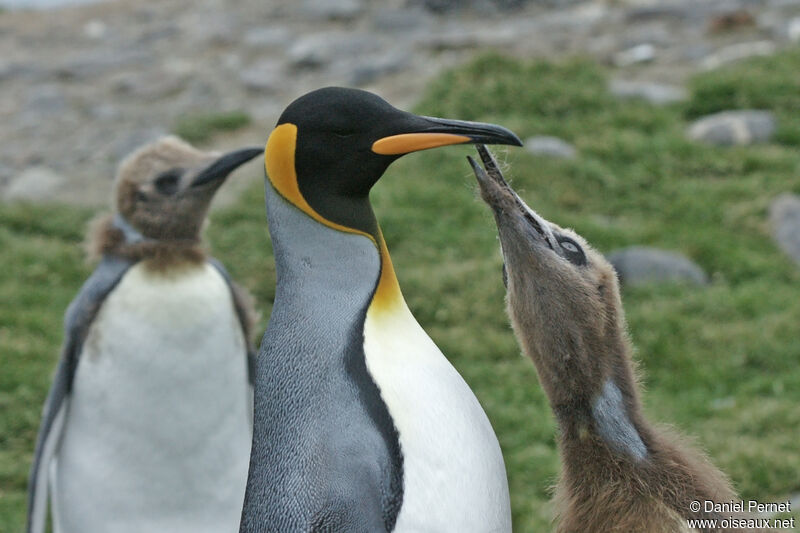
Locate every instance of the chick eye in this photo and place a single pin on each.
(167, 182)
(568, 246)
(572, 251)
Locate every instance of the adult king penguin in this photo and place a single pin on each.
(147, 426)
(361, 424)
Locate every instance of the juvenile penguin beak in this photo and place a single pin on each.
(503, 200)
(429, 132)
(225, 164)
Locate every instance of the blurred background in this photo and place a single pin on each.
(664, 132)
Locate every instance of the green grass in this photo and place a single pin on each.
(720, 363)
(767, 83)
(200, 127)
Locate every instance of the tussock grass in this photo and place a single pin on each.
(200, 127)
(720, 363)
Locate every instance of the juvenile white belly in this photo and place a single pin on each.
(453, 471)
(157, 436)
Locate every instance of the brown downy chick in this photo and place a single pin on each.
(161, 198)
(620, 473)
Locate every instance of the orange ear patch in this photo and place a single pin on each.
(279, 157)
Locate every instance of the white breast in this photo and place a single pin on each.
(453, 471)
(158, 434)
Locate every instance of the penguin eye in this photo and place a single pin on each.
(343, 134)
(572, 251)
(167, 182)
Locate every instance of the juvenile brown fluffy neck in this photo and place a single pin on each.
(620, 473)
(104, 237)
(589, 379)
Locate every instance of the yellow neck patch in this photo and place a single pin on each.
(279, 157)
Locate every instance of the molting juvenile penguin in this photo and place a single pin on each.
(620, 473)
(147, 426)
(361, 424)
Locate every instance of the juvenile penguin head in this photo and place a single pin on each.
(163, 189)
(563, 296)
(332, 145)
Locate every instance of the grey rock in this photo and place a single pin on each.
(34, 184)
(658, 34)
(129, 141)
(267, 37)
(232, 61)
(310, 52)
(320, 49)
(695, 51)
(28, 70)
(371, 69)
(43, 4)
(104, 111)
(784, 219)
(451, 40)
(332, 9)
(655, 93)
(45, 100)
(92, 64)
(95, 29)
(639, 265)
(219, 31)
(737, 52)
(6, 173)
(724, 403)
(461, 39)
(734, 128)
(550, 146)
(656, 12)
(793, 30)
(642, 53)
(150, 36)
(156, 84)
(7, 70)
(447, 6)
(398, 20)
(264, 77)
(582, 19)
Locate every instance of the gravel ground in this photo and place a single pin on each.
(81, 86)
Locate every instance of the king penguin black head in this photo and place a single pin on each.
(332, 145)
(164, 188)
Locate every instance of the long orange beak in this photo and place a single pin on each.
(434, 132)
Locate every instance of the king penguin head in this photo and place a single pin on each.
(332, 145)
(163, 189)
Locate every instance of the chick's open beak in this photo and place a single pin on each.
(496, 192)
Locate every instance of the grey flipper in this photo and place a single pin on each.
(80, 314)
(242, 312)
(325, 455)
